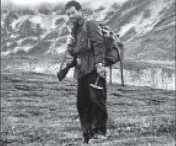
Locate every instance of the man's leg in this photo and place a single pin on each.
(99, 110)
(84, 107)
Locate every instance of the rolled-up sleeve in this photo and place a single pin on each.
(97, 41)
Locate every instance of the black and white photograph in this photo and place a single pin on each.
(88, 73)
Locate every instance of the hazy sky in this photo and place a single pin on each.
(35, 2)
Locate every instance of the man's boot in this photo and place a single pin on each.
(87, 136)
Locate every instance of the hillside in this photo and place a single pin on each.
(147, 28)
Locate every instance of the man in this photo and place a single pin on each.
(87, 48)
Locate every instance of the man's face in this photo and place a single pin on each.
(73, 14)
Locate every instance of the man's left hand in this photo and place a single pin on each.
(101, 70)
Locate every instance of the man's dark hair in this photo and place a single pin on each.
(73, 3)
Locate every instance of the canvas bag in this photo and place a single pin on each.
(111, 44)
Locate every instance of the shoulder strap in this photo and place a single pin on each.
(88, 33)
(85, 27)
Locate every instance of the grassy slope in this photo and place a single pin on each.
(37, 110)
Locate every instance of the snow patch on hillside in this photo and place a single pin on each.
(5, 53)
(126, 28)
(25, 49)
(16, 50)
(56, 50)
(17, 23)
(46, 22)
(101, 8)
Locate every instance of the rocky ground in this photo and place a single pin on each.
(37, 110)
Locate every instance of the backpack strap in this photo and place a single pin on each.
(86, 28)
(85, 25)
(88, 33)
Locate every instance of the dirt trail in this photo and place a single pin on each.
(39, 111)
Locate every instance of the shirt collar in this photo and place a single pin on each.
(81, 21)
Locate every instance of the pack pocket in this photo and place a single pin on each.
(85, 45)
(112, 56)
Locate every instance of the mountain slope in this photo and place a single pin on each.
(147, 29)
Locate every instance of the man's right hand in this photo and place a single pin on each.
(71, 63)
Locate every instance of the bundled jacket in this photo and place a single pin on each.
(88, 48)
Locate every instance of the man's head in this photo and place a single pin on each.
(74, 11)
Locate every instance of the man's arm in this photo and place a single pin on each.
(63, 71)
(97, 41)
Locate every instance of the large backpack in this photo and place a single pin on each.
(111, 42)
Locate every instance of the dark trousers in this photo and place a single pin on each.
(92, 113)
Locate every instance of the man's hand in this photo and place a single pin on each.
(71, 63)
(101, 70)
(70, 41)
